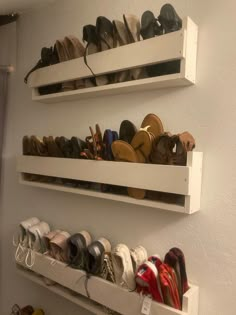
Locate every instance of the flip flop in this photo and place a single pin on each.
(169, 19)
(142, 144)
(75, 49)
(132, 25)
(123, 151)
(154, 124)
(121, 38)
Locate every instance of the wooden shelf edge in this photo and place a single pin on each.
(108, 196)
(161, 82)
(77, 299)
(105, 292)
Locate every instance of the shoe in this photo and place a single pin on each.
(132, 25)
(78, 146)
(175, 258)
(142, 143)
(94, 145)
(155, 260)
(109, 137)
(52, 148)
(148, 282)
(22, 241)
(77, 247)
(123, 267)
(121, 38)
(49, 56)
(154, 124)
(138, 256)
(169, 19)
(127, 131)
(95, 256)
(47, 239)
(93, 46)
(124, 152)
(36, 242)
(59, 247)
(75, 49)
(169, 286)
(27, 310)
(150, 27)
(61, 46)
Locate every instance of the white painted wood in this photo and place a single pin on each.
(153, 50)
(166, 81)
(183, 180)
(189, 64)
(180, 45)
(114, 197)
(192, 201)
(165, 178)
(69, 295)
(104, 292)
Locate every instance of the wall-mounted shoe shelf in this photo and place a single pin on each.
(182, 180)
(180, 45)
(107, 293)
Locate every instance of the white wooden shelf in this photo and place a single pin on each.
(107, 293)
(69, 295)
(180, 45)
(182, 180)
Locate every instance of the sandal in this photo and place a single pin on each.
(132, 25)
(169, 19)
(154, 124)
(108, 138)
(127, 131)
(150, 26)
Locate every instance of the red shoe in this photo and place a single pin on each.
(147, 281)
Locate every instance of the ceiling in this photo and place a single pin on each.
(9, 6)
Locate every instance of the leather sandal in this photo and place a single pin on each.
(108, 138)
(94, 145)
(64, 56)
(78, 146)
(75, 49)
(132, 25)
(52, 148)
(154, 124)
(123, 151)
(142, 144)
(121, 38)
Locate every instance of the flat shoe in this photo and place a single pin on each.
(154, 124)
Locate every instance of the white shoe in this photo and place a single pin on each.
(36, 241)
(139, 256)
(123, 268)
(22, 241)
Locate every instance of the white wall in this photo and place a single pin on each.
(207, 110)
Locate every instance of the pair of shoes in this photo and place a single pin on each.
(30, 239)
(27, 310)
(175, 258)
(107, 35)
(49, 56)
(168, 21)
(126, 263)
(172, 149)
(70, 48)
(166, 281)
(140, 145)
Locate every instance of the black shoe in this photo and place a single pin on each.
(169, 19)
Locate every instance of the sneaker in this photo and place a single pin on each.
(148, 282)
(95, 256)
(138, 256)
(36, 241)
(123, 267)
(77, 247)
(22, 241)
